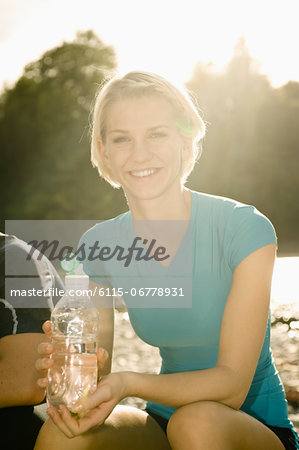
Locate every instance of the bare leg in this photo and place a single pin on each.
(214, 426)
(126, 428)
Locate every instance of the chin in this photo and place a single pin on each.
(147, 194)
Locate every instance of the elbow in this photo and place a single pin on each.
(33, 395)
(22, 397)
(235, 401)
(38, 396)
(237, 390)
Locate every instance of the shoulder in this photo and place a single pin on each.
(231, 212)
(238, 228)
(12, 244)
(216, 208)
(216, 202)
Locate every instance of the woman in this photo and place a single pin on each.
(218, 387)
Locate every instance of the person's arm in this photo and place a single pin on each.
(242, 334)
(18, 375)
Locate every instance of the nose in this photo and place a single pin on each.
(141, 152)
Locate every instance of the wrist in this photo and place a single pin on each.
(129, 384)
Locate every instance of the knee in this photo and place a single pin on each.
(51, 437)
(194, 424)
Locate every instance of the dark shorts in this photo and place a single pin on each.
(286, 435)
(19, 428)
(20, 425)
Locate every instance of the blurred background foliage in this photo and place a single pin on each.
(250, 152)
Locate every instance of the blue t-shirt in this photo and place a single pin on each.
(221, 233)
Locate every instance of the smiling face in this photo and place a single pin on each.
(143, 148)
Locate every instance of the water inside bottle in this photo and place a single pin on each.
(75, 321)
(74, 373)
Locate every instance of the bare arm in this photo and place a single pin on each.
(18, 375)
(242, 334)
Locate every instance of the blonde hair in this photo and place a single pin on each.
(138, 84)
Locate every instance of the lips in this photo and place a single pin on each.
(144, 173)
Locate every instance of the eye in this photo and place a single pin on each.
(120, 139)
(158, 134)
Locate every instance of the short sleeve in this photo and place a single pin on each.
(8, 319)
(21, 320)
(248, 230)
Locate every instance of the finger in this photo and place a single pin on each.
(47, 328)
(102, 356)
(92, 419)
(44, 363)
(71, 423)
(57, 419)
(92, 401)
(42, 383)
(45, 348)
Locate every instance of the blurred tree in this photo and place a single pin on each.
(250, 152)
(44, 135)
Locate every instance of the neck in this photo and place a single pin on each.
(170, 206)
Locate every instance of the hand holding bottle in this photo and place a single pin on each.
(93, 410)
(45, 350)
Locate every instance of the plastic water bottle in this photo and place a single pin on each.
(75, 325)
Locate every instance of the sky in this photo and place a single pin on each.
(164, 36)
